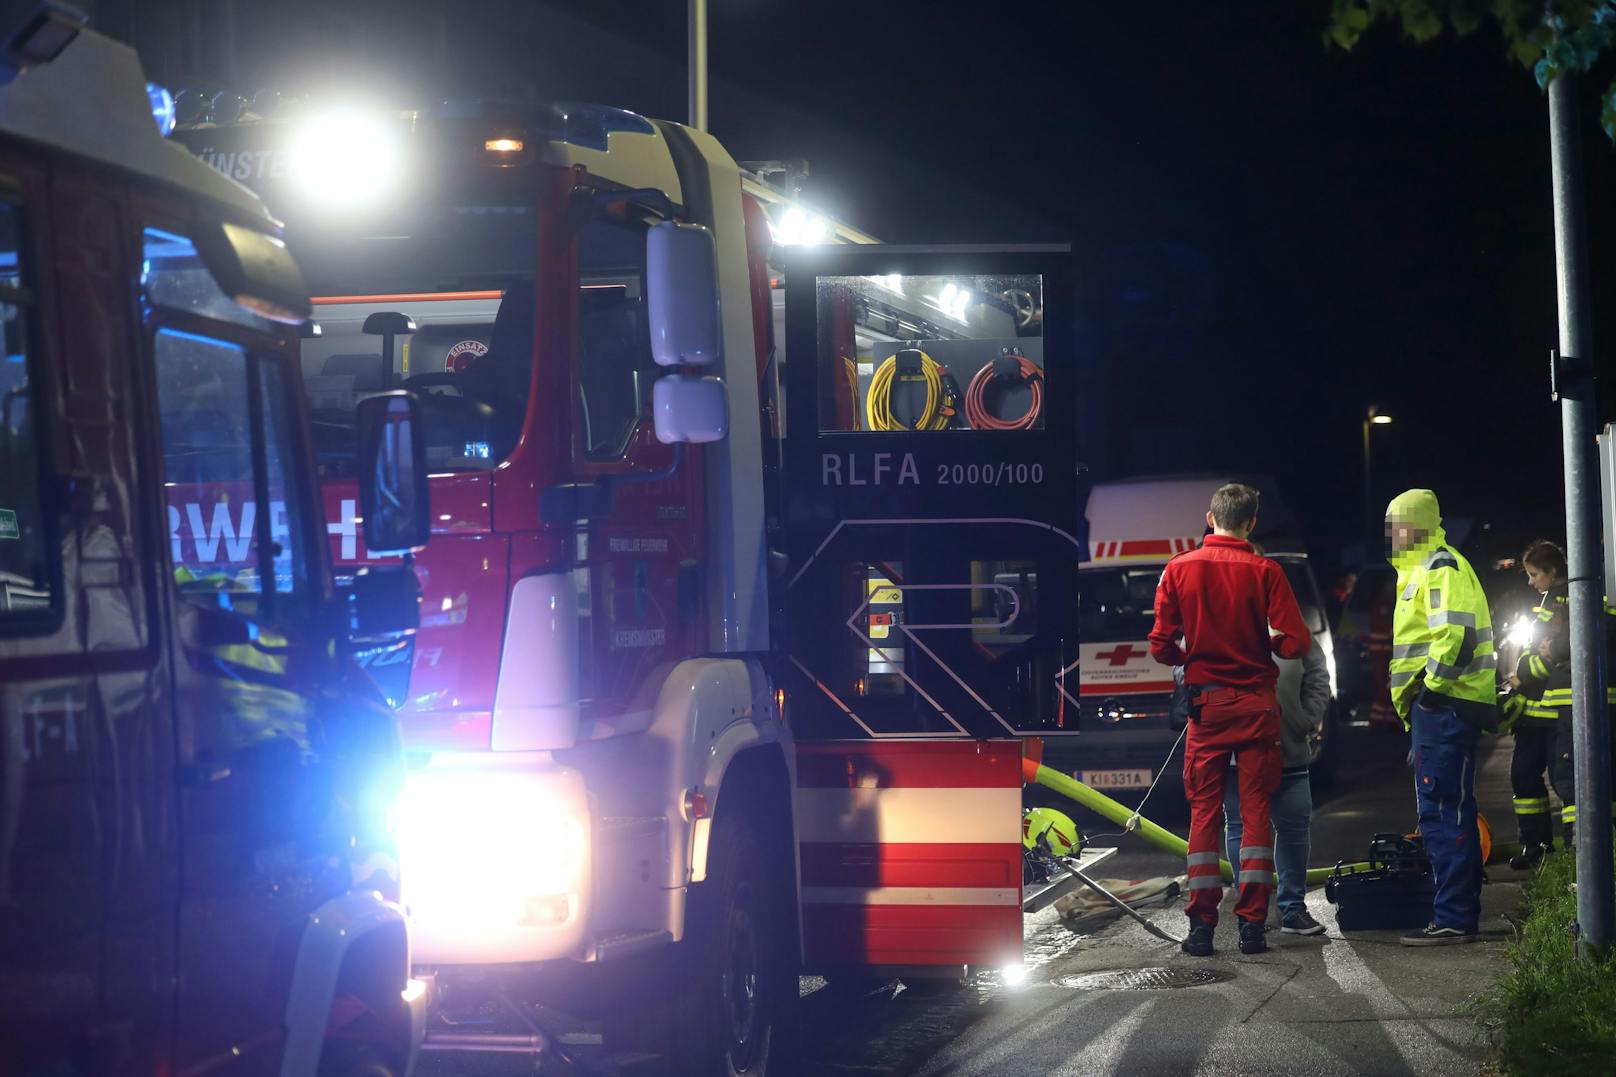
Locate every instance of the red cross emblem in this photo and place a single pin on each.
(1121, 655)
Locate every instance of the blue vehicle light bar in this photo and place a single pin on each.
(162, 108)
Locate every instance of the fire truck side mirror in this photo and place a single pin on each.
(681, 271)
(690, 410)
(393, 495)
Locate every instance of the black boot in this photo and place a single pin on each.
(1199, 941)
(1253, 937)
(1530, 856)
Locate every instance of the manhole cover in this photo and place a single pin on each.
(1160, 979)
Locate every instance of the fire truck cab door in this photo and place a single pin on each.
(928, 521)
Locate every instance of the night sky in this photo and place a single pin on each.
(1272, 235)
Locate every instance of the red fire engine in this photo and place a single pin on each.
(725, 662)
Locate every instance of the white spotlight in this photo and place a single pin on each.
(343, 159)
(799, 228)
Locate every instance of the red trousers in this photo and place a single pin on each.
(1243, 723)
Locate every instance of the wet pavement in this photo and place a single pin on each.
(1314, 1005)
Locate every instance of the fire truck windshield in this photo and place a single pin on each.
(439, 301)
(465, 281)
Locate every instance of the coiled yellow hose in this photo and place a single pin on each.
(878, 407)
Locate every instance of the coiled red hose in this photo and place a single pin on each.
(976, 411)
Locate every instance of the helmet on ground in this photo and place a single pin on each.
(1055, 827)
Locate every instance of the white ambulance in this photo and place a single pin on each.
(1135, 527)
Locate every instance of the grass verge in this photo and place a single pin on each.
(1552, 1012)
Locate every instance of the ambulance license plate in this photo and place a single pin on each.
(1115, 779)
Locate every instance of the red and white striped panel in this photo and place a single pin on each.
(910, 852)
(1140, 549)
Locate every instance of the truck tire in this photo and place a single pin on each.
(735, 1001)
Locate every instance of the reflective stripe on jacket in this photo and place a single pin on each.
(1536, 700)
(1547, 681)
(1442, 634)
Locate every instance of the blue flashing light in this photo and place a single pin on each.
(162, 108)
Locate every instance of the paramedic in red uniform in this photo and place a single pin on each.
(1223, 612)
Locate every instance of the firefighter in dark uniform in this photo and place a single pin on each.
(1542, 679)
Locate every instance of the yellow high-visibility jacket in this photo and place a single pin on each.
(1442, 634)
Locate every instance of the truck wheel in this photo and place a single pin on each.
(735, 1006)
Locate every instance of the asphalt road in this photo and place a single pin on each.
(1311, 1005)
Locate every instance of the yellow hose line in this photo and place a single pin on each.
(878, 404)
(1165, 840)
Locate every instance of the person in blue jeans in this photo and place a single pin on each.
(1304, 700)
(1444, 687)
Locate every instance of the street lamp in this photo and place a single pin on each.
(1372, 417)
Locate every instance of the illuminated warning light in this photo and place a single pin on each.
(880, 620)
(162, 107)
(505, 152)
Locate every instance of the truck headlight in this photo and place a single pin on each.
(1520, 633)
(492, 859)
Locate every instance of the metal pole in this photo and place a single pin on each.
(698, 64)
(1577, 417)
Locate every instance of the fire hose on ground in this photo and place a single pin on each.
(1126, 817)
(1036, 773)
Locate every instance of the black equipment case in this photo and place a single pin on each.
(1394, 890)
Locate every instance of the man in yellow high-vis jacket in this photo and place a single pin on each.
(1443, 686)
